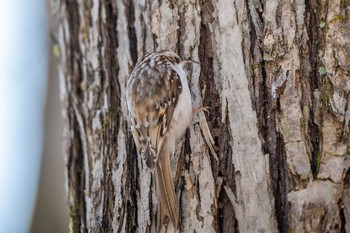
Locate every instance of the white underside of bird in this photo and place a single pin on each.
(182, 115)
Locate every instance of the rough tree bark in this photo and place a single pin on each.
(272, 156)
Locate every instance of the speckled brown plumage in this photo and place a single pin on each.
(160, 109)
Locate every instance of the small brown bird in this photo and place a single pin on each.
(160, 110)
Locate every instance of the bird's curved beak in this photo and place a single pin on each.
(188, 61)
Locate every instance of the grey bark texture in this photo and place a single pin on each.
(272, 155)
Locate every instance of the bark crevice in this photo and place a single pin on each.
(314, 133)
(130, 12)
(132, 188)
(268, 110)
(275, 147)
(224, 168)
(75, 159)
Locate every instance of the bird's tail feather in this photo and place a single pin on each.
(165, 191)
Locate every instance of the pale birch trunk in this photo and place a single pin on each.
(272, 156)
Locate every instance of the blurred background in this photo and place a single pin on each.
(51, 210)
(32, 167)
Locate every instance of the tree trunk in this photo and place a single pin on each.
(272, 155)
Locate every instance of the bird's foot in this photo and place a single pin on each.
(200, 109)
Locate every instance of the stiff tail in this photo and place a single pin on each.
(165, 192)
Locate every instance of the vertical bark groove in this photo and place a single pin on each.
(222, 169)
(267, 109)
(130, 12)
(274, 146)
(132, 189)
(314, 133)
(76, 187)
(75, 162)
(345, 205)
